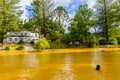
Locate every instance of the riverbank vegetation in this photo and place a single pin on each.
(88, 28)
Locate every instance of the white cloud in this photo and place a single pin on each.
(91, 3)
(72, 15)
(23, 3)
(62, 2)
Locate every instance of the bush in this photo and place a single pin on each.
(118, 39)
(21, 42)
(7, 48)
(113, 41)
(42, 44)
(57, 46)
(20, 47)
(92, 42)
(102, 41)
(32, 42)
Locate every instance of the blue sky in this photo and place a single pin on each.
(70, 5)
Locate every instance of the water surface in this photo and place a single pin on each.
(65, 66)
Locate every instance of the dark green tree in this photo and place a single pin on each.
(60, 15)
(27, 24)
(9, 16)
(42, 11)
(104, 14)
(80, 25)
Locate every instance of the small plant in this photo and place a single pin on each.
(20, 47)
(7, 48)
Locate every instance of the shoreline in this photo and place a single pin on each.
(55, 51)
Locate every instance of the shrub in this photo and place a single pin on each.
(42, 44)
(21, 42)
(102, 41)
(113, 41)
(57, 46)
(7, 48)
(92, 42)
(32, 42)
(118, 39)
(20, 47)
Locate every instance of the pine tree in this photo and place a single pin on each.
(105, 19)
(9, 16)
(42, 11)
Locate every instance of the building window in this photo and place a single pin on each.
(10, 39)
(25, 33)
(33, 39)
(28, 39)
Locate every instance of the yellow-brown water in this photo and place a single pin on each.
(70, 65)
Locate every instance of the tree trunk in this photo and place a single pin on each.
(106, 22)
(4, 40)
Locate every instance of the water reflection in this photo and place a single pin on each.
(97, 60)
(97, 57)
(66, 72)
(65, 66)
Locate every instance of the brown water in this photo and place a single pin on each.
(65, 66)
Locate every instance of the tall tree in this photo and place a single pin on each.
(104, 16)
(81, 24)
(115, 13)
(42, 11)
(60, 15)
(9, 14)
(114, 31)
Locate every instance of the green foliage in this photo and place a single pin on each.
(54, 46)
(9, 16)
(21, 42)
(42, 11)
(114, 32)
(92, 42)
(60, 15)
(118, 39)
(7, 48)
(42, 44)
(113, 41)
(107, 16)
(32, 42)
(57, 46)
(20, 47)
(80, 25)
(54, 34)
(102, 41)
(27, 24)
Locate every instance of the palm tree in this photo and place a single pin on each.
(60, 15)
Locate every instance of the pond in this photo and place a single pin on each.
(61, 66)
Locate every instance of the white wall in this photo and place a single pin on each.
(26, 36)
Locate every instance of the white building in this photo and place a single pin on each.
(24, 35)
